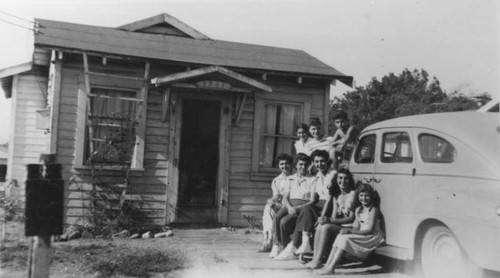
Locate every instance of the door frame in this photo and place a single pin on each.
(175, 128)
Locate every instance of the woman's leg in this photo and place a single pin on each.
(283, 212)
(318, 248)
(267, 224)
(308, 217)
(325, 236)
(333, 261)
(287, 227)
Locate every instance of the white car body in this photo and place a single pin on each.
(436, 170)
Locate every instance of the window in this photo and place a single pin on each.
(275, 118)
(396, 148)
(277, 130)
(111, 133)
(3, 172)
(365, 150)
(434, 149)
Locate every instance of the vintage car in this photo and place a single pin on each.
(438, 177)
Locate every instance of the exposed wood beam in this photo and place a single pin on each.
(166, 102)
(240, 110)
(115, 76)
(193, 86)
(87, 92)
(55, 94)
(120, 98)
(138, 156)
(92, 53)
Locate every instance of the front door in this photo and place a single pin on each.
(198, 161)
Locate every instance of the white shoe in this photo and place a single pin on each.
(287, 253)
(304, 248)
(274, 251)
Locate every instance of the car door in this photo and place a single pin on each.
(394, 180)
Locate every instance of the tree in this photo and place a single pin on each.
(409, 93)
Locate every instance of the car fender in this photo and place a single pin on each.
(469, 214)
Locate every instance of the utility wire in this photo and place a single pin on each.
(18, 25)
(17, 17)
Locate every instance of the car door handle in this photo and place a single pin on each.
(365, 180)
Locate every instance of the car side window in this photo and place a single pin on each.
(434, 149)
(365, 152)
(396, 148)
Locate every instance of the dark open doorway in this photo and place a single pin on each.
(198, 161)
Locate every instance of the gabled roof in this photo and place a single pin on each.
(163, 24)
(196, 52)
(215, 72)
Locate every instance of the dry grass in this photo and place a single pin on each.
(102, 258)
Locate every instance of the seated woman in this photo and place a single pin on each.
(309, 213)
(365, 235)
(297, 196)
(342, 196)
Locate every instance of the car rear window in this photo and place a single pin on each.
(434, 149)
(396, 148)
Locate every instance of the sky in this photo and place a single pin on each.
(456, 41)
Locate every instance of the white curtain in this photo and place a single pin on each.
(278, 131)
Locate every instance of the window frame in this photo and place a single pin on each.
(396, 159)
(82, 119)
(303, 100)
(426, 160)
(359, 146)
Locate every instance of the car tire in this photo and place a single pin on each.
(444, 257)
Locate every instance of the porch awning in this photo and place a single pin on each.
(213, 77)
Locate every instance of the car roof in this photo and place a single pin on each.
(478, 130)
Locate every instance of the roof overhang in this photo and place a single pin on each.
(203, 76)
(6, 76)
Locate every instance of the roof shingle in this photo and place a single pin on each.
(171, 48)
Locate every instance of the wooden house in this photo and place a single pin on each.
(208, 116)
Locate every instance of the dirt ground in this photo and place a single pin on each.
(189, 253)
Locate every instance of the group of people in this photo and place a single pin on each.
(318, 208)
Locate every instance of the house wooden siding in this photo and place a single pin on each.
(147, 187)
(26, 141)
(248, 191)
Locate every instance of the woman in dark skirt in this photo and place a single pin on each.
(309, 214)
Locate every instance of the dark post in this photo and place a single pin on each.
(44, 211)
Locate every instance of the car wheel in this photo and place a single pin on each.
(443, 257)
